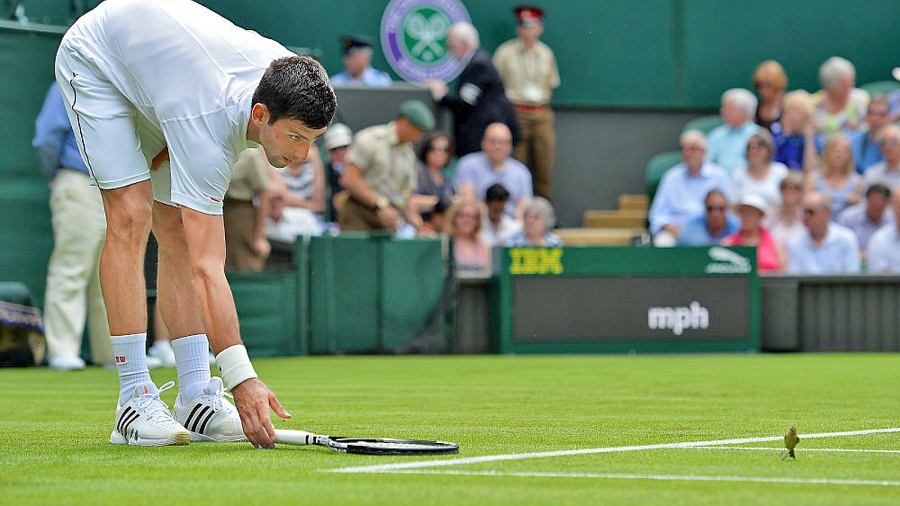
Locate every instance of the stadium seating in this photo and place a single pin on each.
(705, 123)
(880, 87)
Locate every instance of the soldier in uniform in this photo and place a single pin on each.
(529, 73)
(480, 98)
(358, 64)
(380, 172)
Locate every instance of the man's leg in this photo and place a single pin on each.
(543, 152)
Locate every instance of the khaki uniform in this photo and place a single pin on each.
(530, 78)
(388, 167)
(250, 176)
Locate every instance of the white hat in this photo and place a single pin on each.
(753, 200)
(337, 135)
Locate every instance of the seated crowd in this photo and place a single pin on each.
(811, 180)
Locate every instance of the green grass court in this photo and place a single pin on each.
(54, 430)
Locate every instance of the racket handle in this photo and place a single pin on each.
(295, 437)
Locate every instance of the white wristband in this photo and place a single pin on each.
(234, 365)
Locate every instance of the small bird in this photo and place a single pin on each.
(790, 441)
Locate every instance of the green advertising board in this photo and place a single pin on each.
(626, 300)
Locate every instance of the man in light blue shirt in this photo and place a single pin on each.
(476, 172)
(711, 227)
(884, 248)
(728, 142)
(683, 188)
(866, 150)
(358, 64)
(826, 247)
(887, 171)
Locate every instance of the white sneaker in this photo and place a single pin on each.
(66, 363)
(145, 420)
(164, 352)
(210, 416)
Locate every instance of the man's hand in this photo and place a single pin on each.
(159, 158)
(253, 400)
(262, 247)
(438, 89)
(390, 217)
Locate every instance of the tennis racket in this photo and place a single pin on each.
(366, 446)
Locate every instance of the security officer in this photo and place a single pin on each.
(380, 171)
(358, 64)
(528, 69)
(480, 99)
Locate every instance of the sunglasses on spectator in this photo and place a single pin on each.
(809, 212)
(443, 149)
(720, 209)
(792, 187)
(756, 145)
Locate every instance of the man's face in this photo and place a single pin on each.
(875, 206)
(497, 144)
(338, 154)
(495, 210)
(406, 131)
(355, 62)
(733, 114)
(530, 33)
(716, 211)
(815, 219)
(285, 141)
(456, 46)
(890, 144)
(692, 153)
(877, 116)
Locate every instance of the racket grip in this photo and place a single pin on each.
(295, 437)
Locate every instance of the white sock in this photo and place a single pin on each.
(131, 363)
(192, 363)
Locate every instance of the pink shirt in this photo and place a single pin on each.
(766, 250)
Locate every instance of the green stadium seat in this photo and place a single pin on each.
(704, 123)
(881, 87)
(657, 166)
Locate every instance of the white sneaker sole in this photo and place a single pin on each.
(176, 438)
(223, 439)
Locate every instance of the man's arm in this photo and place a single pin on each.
(205, 236)
(352, 180)
(50, 128)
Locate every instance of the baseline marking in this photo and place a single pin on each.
(661, 477)
(387, 468)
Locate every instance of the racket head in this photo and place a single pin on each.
(385, 446)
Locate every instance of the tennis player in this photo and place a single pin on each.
(163, 95)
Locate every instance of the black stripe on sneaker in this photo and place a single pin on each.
(134, 419)
(206, 421)
(187, 421)
(198, 417)
(125, 423)
(124, 414)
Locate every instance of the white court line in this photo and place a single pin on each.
(799, 449)
(662, 477)
(387, 468)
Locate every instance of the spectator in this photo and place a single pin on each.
(839, 105)
(769, 81)
(728, 142)
(785, 220)
(432, 184)
(298, 194)
(380, 170)
(868, 216)
(358, 64)
(761, 176)
(770, 255)
(797, 143)
(480, 98)
(528, 69)
(826, 247)
(713, 225)
(884, 248)
(887, 171)
(683, 188)
(434, 222)
(337, 140)
(539, 219)
(244, 212)
(838, 178)
(470, 253)
(499, 226)
(73, 295)
(476, 172)
(866, 150)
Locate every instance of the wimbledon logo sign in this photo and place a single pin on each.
(414, 38)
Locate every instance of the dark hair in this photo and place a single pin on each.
(879, 189)
(496, 193)
(297, 87)
(715, 191)
(428, 145)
